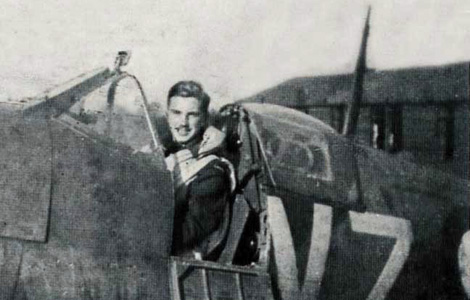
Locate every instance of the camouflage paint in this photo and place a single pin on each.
(109, 225)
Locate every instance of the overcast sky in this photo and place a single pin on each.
(234, 48)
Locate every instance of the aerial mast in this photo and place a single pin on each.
(353, 108)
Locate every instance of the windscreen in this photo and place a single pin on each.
(306, 157)
(120, 116)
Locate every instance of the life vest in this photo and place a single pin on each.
(185, 166)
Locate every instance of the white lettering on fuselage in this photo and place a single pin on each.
(382, 225)
(368, 223)
(284, 252)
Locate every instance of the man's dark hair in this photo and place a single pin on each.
(190, 89)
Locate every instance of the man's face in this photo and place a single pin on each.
(185, 118)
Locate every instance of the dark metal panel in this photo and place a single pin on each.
(10, 261)
(25, 178)
(224, 285)
(70, 274)
(255, 287)
(104, 193)
(110, 225)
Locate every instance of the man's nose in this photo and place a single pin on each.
(184, 120)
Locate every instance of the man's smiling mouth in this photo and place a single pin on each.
(183, 131)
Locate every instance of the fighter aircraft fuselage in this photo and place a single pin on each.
(87, 214)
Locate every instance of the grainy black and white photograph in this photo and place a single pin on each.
(235, 150)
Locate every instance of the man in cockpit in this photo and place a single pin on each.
(202, 178)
